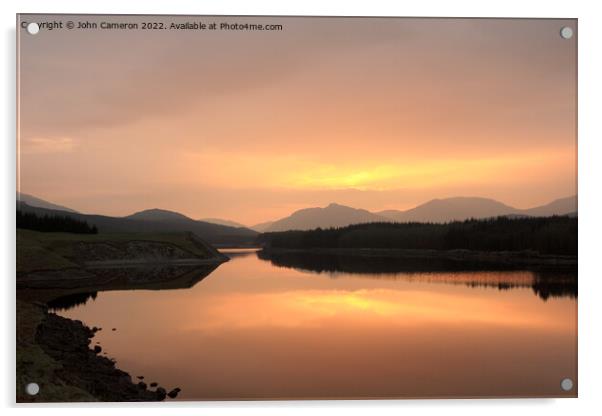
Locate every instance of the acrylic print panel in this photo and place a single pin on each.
(227, 208)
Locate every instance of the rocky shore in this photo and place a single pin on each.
(55, 352)
(68, 343)
(59, 358)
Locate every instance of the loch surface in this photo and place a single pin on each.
(261, 329)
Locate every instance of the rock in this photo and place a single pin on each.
(140, 377)
(154, 384)
(161, 393)
(173, 394)
(142, 385)
(114, 329)
(97, 349)
(68, 342)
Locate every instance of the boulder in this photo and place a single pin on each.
(161, 393)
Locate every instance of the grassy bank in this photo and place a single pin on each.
(37, 251)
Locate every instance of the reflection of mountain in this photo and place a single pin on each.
(379, 265)
(65, 302)
(67, 296)
(151, 277)
(234, 253)
(545, 284)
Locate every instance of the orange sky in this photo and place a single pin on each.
(249, 126)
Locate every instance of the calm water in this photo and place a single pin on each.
(254, 329)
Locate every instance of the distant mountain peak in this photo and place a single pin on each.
(560, 206)
(158, 214)
(40, 203)
(465, 207)
(333, 215)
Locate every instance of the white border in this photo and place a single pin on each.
(590, 209)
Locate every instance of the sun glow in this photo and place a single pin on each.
(311, 308)
(328, 171)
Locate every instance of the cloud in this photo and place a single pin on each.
(47, 145)
(372, 113)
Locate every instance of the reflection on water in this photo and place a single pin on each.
(252, 329)
(69, 301)
(544, 283)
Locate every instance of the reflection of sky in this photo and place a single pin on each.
(366, 308)
(254, 330)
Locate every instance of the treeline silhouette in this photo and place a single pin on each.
(546, 235)
(53, 223)
(545, 283)
(375, 265)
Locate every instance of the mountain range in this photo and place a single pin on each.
(225, 232)
(334, 215)
(436, 210)
(155, 220)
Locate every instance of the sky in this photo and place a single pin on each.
(374, 113)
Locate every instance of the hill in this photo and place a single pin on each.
(436, 210)
(37, 202)
(334, 215)
(463, 208)
(451, 209)
(262, 227)
(562, 206)
(156, 221)
(156, 214)
(220, 221)
(39, 251)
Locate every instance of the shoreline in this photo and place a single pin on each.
(56, 352)
(56, 355)
(508, 258)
